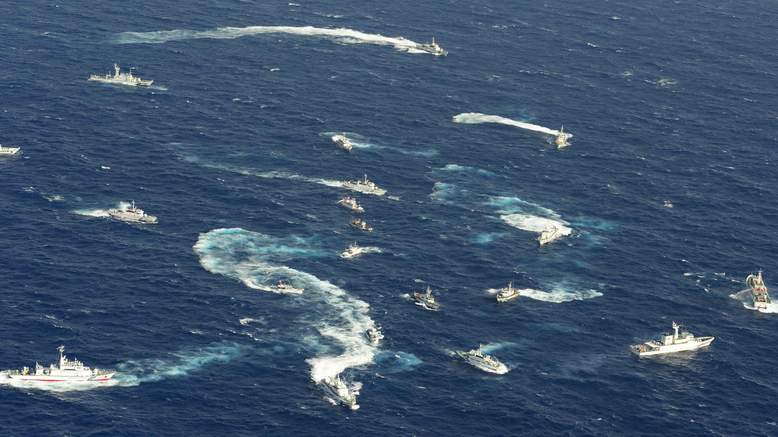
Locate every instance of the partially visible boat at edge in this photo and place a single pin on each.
(9, 151)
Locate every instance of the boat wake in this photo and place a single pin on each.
(273, 174)
(536, 224)
(478, 118)
(466, 169)
(340, 35)
(133, 373)
(559, 293)
(744, 296)
(100, 212)
(528, 216)
(360, 142)
(397, 362)
(489, 348)
(180, 364)
(339, 317)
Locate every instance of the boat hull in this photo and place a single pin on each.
(675, 348)
(55, 379)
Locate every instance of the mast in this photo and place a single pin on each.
(61, 361)
(675, 331)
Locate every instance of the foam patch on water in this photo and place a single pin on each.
(532, 223)
(466, 169)
(132, 373)
(560, 293)
(331, 310)
(341, 35)
(180, 364)
(489, 348)
(446, 193)
(478, 118)
(397, 362)
(509, 204)
(486, 237)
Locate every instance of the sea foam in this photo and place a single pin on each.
(331, 310)
(341, 35)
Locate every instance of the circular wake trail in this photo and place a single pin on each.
(251, 257)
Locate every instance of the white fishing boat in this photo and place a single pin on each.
(9, 151)
(759, 294)
(343, 142)
(507, 293)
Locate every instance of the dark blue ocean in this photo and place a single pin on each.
(671, 103)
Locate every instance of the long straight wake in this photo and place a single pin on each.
(341, 35)
(478, 118)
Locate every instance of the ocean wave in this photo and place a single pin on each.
(336, 315)
(478, 118)
(341, 35)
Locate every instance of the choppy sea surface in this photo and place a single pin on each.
(668, 189)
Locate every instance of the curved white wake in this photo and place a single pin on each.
(246, 255)
(341, 35)
(478, 118)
